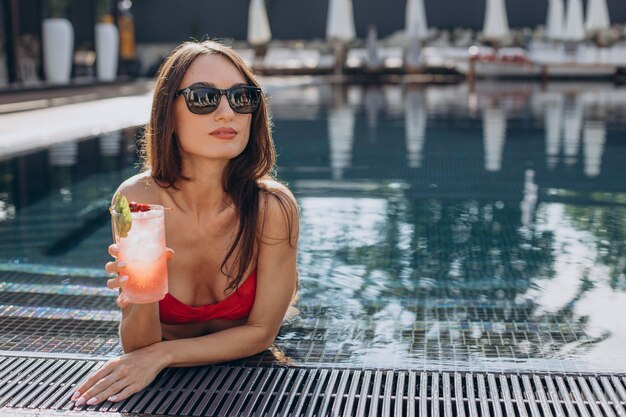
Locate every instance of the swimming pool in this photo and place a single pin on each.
(441, 229)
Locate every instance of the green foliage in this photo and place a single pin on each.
(122, 219)
(103, 9)
(58, 7)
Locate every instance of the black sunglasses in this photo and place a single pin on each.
(204, 100)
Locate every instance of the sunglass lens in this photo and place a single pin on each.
(203, 100)
(244, 99)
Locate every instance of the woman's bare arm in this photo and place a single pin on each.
(140, 325)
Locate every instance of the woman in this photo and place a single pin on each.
(209, 158)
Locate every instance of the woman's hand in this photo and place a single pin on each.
(117, 267)
(121, 377)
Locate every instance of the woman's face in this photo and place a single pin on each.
(222, 134)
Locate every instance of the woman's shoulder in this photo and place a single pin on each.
(272, 186)
(276, 196)
(141, 188)
(279, 210)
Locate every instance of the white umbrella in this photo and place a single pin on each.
(574, 25)
(415, 19)
(597, 15)
(259, 32)
(340, 21)
(373, 55)
(554, 22)
(496, 21)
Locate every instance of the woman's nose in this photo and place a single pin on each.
(223, 110)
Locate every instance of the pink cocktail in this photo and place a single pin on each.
(143, 250)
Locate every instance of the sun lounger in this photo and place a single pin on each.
(388, 59)
(247, 54)
(279, 60)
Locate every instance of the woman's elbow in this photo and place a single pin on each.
(130, 344)
(265, 345)
(264, 338)
(129, 347)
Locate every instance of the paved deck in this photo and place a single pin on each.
(39, 118)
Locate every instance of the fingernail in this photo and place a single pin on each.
(121, 264)
(79, 402)
(92, 401)
(75, 396)
(113, 398)
(123, 278)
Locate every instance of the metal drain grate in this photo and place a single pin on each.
(83, 302)
(48, 383)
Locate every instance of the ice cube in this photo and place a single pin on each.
(142, 244)
(148, 251)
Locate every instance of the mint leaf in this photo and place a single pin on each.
(123, 220)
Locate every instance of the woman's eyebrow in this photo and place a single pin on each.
(207, 84)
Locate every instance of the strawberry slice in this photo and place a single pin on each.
(137, 207)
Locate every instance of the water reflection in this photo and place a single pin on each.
(63, 154)
(441, 264)
(110, 144)
(594, 137)
(58, 198)
(529, 202)
(446, 283)
(565, 117)
(440, 228)
(340, 137)
(415, 126)
(553, 122)
(494, 136)
(374, 103)
(572, 126)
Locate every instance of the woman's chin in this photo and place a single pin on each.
(214, 155)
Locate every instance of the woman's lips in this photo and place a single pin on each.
(224, 133)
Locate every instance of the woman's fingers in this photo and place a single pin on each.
(117, 282)
(91, 393)
(113, 250)
(125, 393)
(121, 377)
(169, 253)
(104, 389)
(86, 387)
(114, 267)
(122, 301)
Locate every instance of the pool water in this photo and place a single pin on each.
(441, 228)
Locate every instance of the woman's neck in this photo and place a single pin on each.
(204, 193)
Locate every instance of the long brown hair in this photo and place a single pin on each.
(244, 174)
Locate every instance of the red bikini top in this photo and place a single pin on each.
(234, 307)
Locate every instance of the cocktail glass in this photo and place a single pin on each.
(143, 250)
